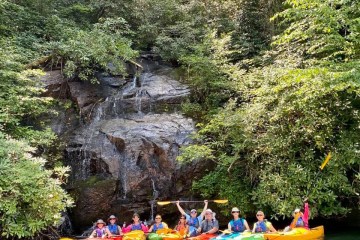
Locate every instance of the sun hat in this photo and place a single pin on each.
(235, 209)
(209, 210)
(112, 217)
(297, 210)
(100, 221)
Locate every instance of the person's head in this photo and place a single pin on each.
(296, 212)
(182, 219)
(209, 214)
(158, 218)
(235, 212)
(112, 219)
(260, 215)
(136, 218)
(100, 223)
(193, 213)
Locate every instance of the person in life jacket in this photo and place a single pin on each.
(238, 224)
(193, 220)
(262, 225)
(100, 230)
(158, 224)
(301, 219)
(210, 225)
(113, 228)
(182, 227)
(136, 225)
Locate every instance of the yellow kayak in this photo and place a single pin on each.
(134, 235)
(297, 234)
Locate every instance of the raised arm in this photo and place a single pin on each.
(205, 207)
(180, 208)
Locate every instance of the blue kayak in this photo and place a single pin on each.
(240, 236)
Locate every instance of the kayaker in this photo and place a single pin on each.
(100, 230)
(182, 227)
(158, 224)
(301, 219)
(193, 220)
(238, 224)
(210, 225)
(262, 225)
(136, 225)
(113, 228)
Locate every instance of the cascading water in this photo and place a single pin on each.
(153, 201)
(127, 150)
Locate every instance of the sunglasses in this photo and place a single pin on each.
(235, 212)
(182, 218)
(193, 212)
(258, 215)
(157, 218)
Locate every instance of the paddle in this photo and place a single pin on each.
(327, 159)
(162, 203)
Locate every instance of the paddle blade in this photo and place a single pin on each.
(325, 161)
(221, 201)
(163, 203)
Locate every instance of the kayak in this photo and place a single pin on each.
(297, 234)
(112, 238)
(206, 236)
(165, 234)
(134, 235)
(154, 236)
(239, 236)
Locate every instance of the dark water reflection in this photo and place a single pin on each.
(348, 235)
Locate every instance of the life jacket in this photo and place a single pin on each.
(261, 227)
(114, 229)
(100, 232)
(207, 225)
(300, 222)
(155, 228)
(238, 225)
(136, 227)
(194, 222)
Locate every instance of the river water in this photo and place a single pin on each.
(343, 235)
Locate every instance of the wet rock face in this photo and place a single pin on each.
(123, 156)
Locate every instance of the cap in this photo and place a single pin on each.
(100, 221)
(297, 210)
(193, 210)
(235, 209)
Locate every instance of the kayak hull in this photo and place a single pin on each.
(297, 234)
(134, 235)
(203, 237)
(239, 236)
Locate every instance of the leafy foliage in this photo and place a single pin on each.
(83, 53)
(31, 197)
(298, 102)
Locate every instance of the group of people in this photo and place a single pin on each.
(193, 224)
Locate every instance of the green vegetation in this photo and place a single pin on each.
(275, 87)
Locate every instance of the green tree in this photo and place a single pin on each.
(298, 103)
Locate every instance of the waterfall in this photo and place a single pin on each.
(155, 196)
